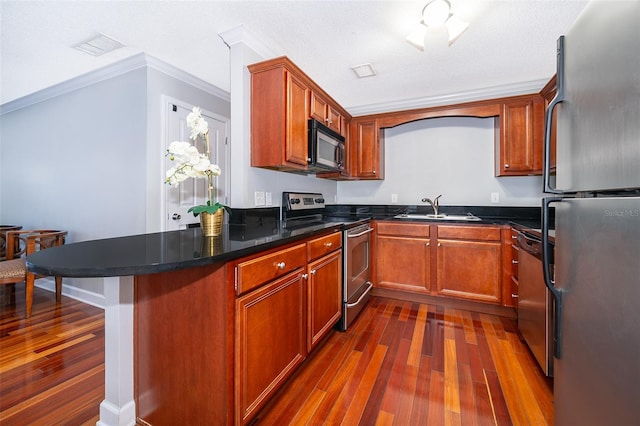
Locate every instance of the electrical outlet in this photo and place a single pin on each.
(394, 198)
(268, 199)
(259, 198)
(495, 197)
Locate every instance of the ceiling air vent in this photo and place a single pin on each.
(98, 45)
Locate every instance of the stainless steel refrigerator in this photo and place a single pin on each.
(597, 218)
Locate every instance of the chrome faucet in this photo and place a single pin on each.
(434, 204)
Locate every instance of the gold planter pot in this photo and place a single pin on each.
(212, 223)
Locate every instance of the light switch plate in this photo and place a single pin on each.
(394, 198)
(495, 197)
(268, 199)
(259, 198)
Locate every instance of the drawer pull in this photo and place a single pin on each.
(313, 272)
(305, 276)
(328, 244)
(281, 265)
(515, 296)
(515, 262)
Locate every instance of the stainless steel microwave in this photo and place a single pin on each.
(326, 148)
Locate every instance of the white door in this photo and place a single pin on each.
(193, 192)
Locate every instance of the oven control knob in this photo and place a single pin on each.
(319, 200)
(295, 201)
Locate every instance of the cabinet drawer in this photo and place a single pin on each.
(320, 246)
(405, 229)
(255, 272)
(457, 232)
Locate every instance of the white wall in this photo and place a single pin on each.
(453, 156)
(89, 161)
(73, 162)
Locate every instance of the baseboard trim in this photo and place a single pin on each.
(484, 308)
(79, 294)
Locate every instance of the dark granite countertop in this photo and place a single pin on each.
(250, 231)
(164, 251)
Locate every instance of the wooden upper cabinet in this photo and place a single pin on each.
(279, 112)
(366, 150)
(283, 98)
(520, 133)
(326, 113)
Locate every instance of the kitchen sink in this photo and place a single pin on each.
(466, 217)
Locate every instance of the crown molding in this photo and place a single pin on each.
(432, 101)
(131, 63)
(240, 34)
(187, 78)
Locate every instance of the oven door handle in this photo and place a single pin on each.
(359, 234)
(351, 305)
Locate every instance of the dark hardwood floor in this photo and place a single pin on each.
(406, 363)
(52, 364)
(401, 363)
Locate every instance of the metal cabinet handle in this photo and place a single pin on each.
(328, 244)
(514, 237)
(313, 272)
(281, 265)
(548, 119)
(515, 262)
(514, 296)
(369, 287)
(176, 216)
(506, 166)
(305, 276)
(427, 244)
(439, 245)
(360, 233)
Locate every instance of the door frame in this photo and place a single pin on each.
(225, 164)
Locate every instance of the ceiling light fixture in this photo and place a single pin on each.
(98, 45)
(364, 70)
(435, 14)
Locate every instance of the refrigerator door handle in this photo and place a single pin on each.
(558, 98)
(558, 294)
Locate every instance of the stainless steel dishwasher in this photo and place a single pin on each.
(535, 302)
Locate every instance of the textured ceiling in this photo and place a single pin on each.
(507, 43)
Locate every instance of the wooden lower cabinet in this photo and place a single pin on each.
(403, 263)
(270, 341)
(214, 343)
(460, 261)
(324, 297)
(469, 270)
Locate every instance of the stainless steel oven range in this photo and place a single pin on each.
(302, 209)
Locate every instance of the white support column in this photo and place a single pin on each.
(118, 407)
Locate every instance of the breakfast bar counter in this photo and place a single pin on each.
(169, 304)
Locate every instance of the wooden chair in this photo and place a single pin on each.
(3, 238)
(13, 270)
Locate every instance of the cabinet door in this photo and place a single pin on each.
(296, 141)
(403, 263)
(521, 133)
(270, 341)
(334, 119)
(366, 150)
(323, 296)
(469, 269)
(318, 107)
